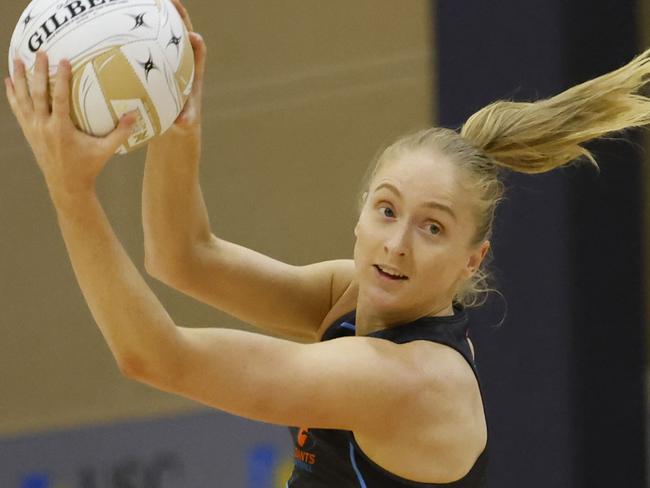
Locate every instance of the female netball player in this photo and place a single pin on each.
(381, 390)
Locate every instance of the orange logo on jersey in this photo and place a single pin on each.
(303, 440)
(303, 435)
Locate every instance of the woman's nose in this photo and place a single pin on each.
(397, 241)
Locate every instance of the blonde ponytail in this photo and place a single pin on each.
(543, 135)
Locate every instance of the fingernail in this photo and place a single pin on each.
(131, 116)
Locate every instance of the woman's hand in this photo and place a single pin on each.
(190, 117)
(69, 159)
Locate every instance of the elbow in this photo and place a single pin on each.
(133, 368)
(155, 376)
(171, 266)
(136, 369)
(156, 260)
(159, 366)
(152, 265)
(166, 269)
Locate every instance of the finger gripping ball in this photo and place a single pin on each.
(126, 55)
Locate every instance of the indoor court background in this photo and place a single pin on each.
(300, 95)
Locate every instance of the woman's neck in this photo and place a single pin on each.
(369, 319)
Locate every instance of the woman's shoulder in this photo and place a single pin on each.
(440, 435)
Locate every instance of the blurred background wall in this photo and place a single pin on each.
(300, 96)
(567, 398)
(565, 372)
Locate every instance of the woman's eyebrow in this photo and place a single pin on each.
(432, 204)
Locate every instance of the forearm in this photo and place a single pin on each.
(175, 218)
(138, 330)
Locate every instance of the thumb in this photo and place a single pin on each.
(122, 132)
(200, 54)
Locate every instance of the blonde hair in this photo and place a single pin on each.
(526, 137)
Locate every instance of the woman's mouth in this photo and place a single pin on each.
(389, 274)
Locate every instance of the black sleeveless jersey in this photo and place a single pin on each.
(331, 458)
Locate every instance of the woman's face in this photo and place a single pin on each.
(416, 222)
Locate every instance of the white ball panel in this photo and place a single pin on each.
(151, 67)
(90, 32)
(96, 116)
(173, 34)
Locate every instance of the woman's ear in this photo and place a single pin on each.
(477, 257)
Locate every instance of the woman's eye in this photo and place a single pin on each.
(383, 210)
(435, 230)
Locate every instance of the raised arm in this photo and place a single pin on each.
(181, 250)
(346, 383)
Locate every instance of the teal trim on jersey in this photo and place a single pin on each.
(348, 325)
(362, 483)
